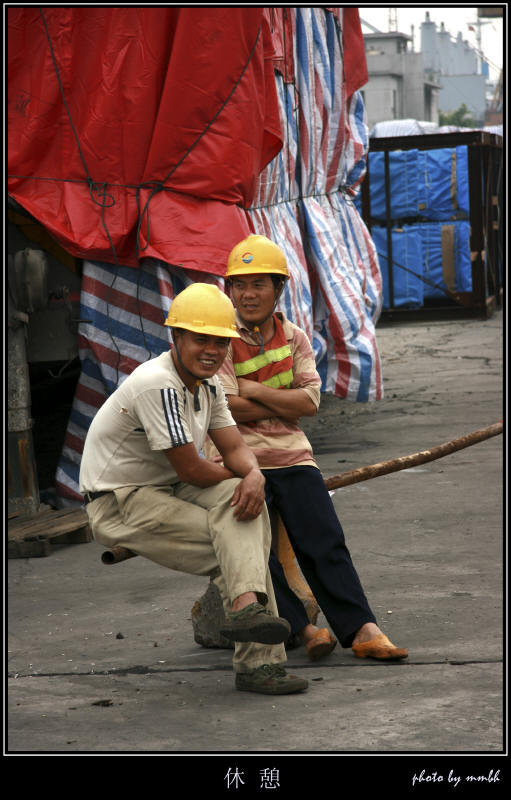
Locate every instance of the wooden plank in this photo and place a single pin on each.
(59, 531)
(48, 522)
(21, 518)
(431, 141)
(41, 545)
(73, 533)
(54, 528)
(32, 537)
(49, 513)
(79, 536)
(22, 549)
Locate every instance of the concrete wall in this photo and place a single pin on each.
(396, 87)
(459, 89)
(382, 98)
(414, 106)
(454, 64)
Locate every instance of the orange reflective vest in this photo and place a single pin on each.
(273, 367)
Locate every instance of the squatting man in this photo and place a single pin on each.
(147, 487)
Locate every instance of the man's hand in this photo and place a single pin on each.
(248, 497)
(248, 389)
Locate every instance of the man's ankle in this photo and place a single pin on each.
(308, 633)
(244, 600)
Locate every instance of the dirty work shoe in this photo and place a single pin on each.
(293, 642)
(270, 679)
(255, 624)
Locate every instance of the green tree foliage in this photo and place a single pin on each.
(462, 118)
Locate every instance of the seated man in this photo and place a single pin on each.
(270, 380)
(147, 488)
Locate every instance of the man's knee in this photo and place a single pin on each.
(214, 496)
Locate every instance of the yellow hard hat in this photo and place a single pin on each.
(256, 254)
(203, 308)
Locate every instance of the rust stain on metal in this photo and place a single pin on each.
(116, 555)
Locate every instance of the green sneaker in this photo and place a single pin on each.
(270, 679)
(255, 624)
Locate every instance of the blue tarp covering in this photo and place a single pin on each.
(424, 184)
(407, 252)
(429, 193)
(443, 184)
(426, 255)
(439, 249)
(404, 183)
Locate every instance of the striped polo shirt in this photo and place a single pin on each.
(151, 411)
(276, 442)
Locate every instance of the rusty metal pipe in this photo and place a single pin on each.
(116, 555)
(396, 464)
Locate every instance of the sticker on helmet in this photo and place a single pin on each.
(247, 258)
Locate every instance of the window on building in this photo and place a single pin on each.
(427, 104)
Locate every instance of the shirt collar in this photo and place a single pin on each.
(247, 333)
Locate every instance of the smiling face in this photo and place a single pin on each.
(202, 355)
(253, 296)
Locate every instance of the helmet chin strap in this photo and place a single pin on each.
(256, 327)
(198, 381)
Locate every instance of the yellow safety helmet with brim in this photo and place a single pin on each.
(256, 254)
(203, 308)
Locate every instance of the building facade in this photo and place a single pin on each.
(398, 86)
(455, 65)
(404, 84)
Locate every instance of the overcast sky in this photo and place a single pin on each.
(455, 18)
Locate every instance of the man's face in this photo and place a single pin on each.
(253, 296)
(201, 354)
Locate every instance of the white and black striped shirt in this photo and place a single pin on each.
(151, 411)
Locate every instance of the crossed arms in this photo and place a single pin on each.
(257, 401)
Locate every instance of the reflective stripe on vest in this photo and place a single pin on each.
(262, 360)
(272, 368)
(283, 379)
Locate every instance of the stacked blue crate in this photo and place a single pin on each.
(408, 287)
(445, 257)
(429, 212)
(407, 266)
(443, 187)
(404, 184)
(444, 203)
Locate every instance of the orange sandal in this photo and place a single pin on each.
(380, 647)
(321, 645)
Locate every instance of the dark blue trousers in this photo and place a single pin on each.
(301, 498)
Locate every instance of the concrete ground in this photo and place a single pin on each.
(102, 659)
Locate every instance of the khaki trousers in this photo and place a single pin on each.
(194, 530)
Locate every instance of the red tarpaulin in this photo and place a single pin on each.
(148, 120)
